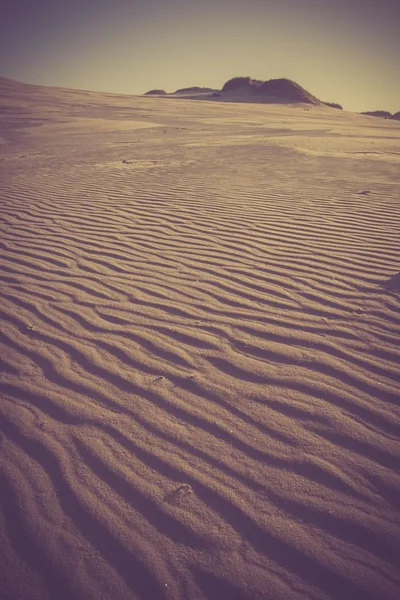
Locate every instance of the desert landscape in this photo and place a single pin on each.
(199, 388)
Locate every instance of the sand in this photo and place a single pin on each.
(199, 350)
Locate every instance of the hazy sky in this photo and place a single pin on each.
(345, 51)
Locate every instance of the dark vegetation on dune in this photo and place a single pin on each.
(334, 105)
(378, 113)
(195, 90)
(273, 90)
(383, 114)
(155, 92)
(287, 90)
(239, 83)
(247, 89)
(281, 89)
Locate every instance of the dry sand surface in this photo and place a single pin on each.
(199, 350)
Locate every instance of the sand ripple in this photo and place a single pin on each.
(199, 359)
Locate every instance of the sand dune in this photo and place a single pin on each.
(199, 350)
(246, 89)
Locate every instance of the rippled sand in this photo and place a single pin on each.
(199, 317)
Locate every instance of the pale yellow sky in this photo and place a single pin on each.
(342, 51)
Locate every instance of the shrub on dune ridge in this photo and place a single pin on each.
(238, 83)
(378, 113)
(246, 89)
(287, 90)
(334, 105)
(195, 90)
(155, 92)
(283, 90)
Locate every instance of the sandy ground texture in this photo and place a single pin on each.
(199, 316)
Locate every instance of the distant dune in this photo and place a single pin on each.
(246, 89)
(195, 90)
(199, 348)
(273, 90)
(384, 114)
(378, 113)
(155, 93)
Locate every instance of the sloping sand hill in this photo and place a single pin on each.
(199, 350)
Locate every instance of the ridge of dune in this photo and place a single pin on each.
(199, 324)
